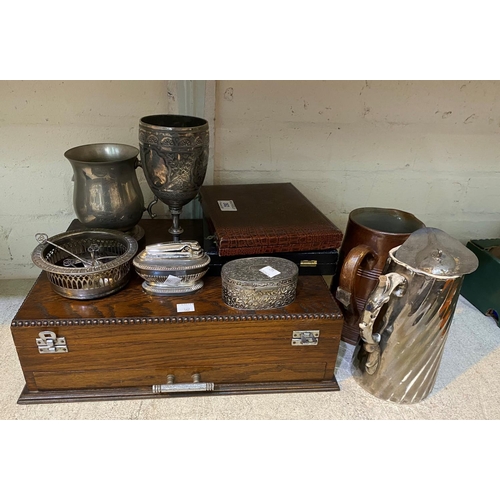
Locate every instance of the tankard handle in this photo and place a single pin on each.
(387, 284)
(345, 290)
(150, 208)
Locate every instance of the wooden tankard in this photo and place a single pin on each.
(371, 232)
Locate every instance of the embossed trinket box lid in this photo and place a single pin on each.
(259, 282)
(254, 270)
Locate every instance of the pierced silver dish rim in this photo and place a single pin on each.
(131, 243)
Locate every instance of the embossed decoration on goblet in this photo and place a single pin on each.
(174, 157)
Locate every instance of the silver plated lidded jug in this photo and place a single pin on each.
(405, 323)
(174, 155)
(106, 192)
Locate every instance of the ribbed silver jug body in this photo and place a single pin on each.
(174, 156)
(403, 331)
(106, 192)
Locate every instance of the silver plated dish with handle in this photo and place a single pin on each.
(173, 268)
(86, 264)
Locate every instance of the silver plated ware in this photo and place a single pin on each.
(43, 238)
(106, 191)
(406, 320)
(173, 268)
(114, 250)
(174, 156)
(259, 282)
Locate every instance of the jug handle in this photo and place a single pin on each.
(345, 290)
(387, 285)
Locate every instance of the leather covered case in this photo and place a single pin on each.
(253, 219)
(309, 262)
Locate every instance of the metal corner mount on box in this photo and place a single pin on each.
(133, 345)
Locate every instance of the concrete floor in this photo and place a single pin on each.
(467, 386)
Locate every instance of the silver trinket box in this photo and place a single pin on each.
(259, 282)
(174, 268)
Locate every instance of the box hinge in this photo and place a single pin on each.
(305, 337)
(49, 343)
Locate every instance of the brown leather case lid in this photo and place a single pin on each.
(269, 218)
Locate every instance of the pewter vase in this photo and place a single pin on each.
(106, 190)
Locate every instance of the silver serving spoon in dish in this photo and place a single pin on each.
(43, 238)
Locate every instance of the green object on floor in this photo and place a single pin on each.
(482, 287)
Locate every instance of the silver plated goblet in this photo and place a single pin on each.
(174, 157)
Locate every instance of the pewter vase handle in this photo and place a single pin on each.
(387, 284)
(149, 208)
(345, 291)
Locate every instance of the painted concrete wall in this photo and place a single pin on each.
(428, 147)
(39, 121)
(431, 148)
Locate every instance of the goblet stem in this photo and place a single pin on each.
(176, 230)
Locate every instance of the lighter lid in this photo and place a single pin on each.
(172, 255)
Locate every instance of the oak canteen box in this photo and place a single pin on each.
(134, 345)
